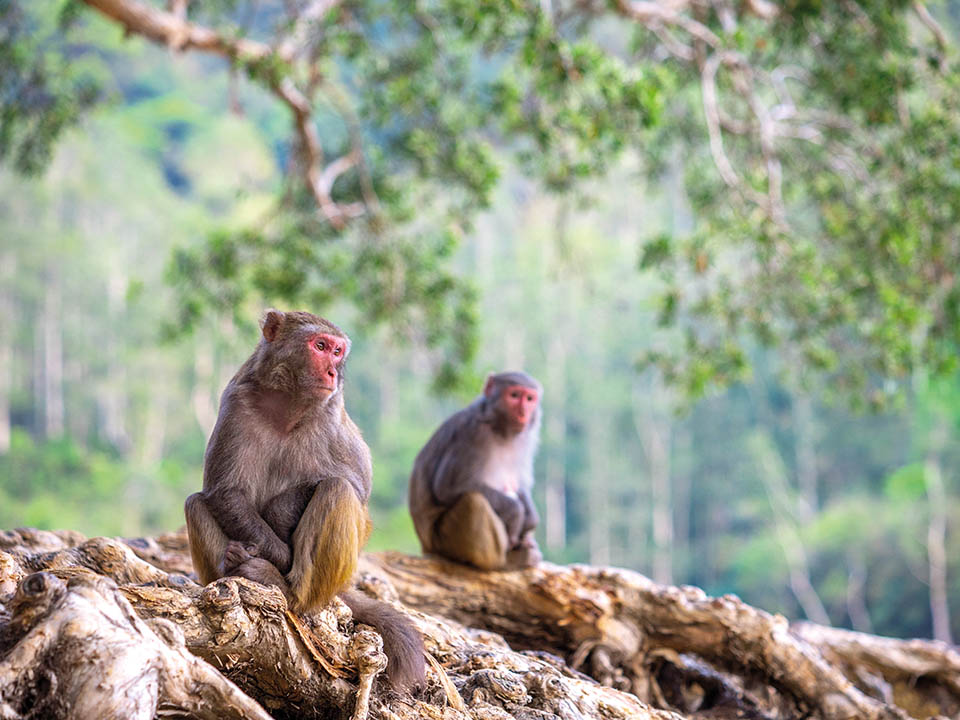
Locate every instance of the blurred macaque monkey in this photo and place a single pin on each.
(470, 485)
(286, 481)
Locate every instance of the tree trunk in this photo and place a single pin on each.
(786, 524)
(53, 408)
(598, 501)
(555, 430)
(937, 551)
(112, 393)
(203, 393)
(7, 329)
(119, 629)
(937, 530)
(557, 295)
(806, 457)
(651, 417)
(680, 489)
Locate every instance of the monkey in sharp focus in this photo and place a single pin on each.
(286, 481)
(470, 485)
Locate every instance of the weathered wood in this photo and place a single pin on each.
(316, 666)
(663, 642)
(121, 626)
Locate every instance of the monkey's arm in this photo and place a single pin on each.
(531, 519)
(227, 477)
(240, 521)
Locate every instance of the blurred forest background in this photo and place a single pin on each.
(770, 460)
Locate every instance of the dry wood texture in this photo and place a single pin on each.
(110, 628)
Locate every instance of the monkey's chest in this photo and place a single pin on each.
(504, 471)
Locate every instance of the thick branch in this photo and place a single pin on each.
(579, 611)
(904, 660)
(172, 29)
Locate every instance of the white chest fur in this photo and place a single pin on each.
(507, 468)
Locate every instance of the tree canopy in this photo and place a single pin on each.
(818, 144)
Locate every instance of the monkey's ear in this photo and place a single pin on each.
(271, 324)
(490, 386)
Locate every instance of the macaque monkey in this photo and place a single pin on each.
(470, 485)
(286, 481)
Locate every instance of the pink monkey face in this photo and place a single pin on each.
(520, 402)
(326, 354)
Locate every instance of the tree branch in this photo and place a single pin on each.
(173, 30)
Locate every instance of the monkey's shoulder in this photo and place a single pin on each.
(466, 423)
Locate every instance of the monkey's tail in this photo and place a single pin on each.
(402, 642)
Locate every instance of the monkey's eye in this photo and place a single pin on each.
(338, 352)
(319, 345)
(514, 394)
(530, 398)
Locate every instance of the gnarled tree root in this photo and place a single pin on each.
(676, 647)
(108, 624)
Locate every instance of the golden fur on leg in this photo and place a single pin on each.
(333, 528)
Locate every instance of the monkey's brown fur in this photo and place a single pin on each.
(286, 481)
(459, 501)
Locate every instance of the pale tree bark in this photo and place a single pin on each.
(514, 346)
(117, 629)
(806, 456)
(856, 593)
(202, 394)
(8, 263)
(75, 612)
(555, 432)
(679, 648)
(652, 419)
(937, 528)
(681, 491)
(52, 383)
(555, 424)
(598, 500)
(937, 550)
(112, 395)
(787, 528)
(153, 440)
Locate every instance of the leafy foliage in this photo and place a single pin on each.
(43, 89)
(638, 252)
(854, 109)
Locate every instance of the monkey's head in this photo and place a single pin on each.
(301, 354)
(514, 398)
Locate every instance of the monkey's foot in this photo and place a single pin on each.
(523, 556)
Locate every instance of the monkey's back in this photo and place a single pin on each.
(438, 461)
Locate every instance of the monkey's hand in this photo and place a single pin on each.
(235, 555)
